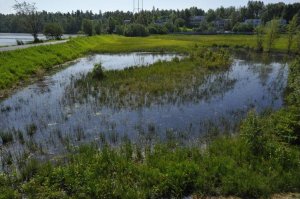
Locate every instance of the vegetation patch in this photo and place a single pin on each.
(142, 85)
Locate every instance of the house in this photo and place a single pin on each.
(221, 24)
(127, 21)
(196, 20)
(161, 21)
(283, 22)
(253, 22)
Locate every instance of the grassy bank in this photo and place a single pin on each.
(262, 159)
(17, 67)
(233, 41)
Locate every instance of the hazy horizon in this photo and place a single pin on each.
(127, 5)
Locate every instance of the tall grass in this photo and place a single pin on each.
(139, 85)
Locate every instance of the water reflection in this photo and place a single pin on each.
(64, 113)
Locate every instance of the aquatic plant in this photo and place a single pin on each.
(7, 137)
(98, 72)
(31, 129)
(218, 59)
(161, 82)
(21, 137)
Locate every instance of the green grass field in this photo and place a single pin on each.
(17, 67)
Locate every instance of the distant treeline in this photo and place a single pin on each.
(172, 20)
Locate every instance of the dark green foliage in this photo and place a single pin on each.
(29, 169)
(227, 167)
(53, 31)
(98, 71)
(157, 29)
(134, 30)
(98, 28)
(171, 27)
(120, 30)
(179, 22)
(88, 27)
(19, 42)
(243, 27)
(293, 88)
(72, 21)
(7, 190)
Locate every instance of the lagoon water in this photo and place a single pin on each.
(222, 101)
(10, 39)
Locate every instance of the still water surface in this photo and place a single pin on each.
(10, 39)
(222, 100)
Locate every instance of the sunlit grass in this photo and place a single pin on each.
(20, 65)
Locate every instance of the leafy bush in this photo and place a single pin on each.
(157, 29)
(171, 27)
(218, 59)
(243, 27)
(53, 31)
(120, 30)
(98, 71)
(19, 42)
(134, 30)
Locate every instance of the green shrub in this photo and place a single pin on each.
(53, 31)
(157, 29)
(98, 71)
(217, 59)
(136, 30)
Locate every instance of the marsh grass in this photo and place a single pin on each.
(160, 82)
(228, 166)
(31, 129)
(6, 137)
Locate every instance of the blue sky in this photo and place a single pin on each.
(110, 5)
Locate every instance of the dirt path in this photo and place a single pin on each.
(11, 48)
